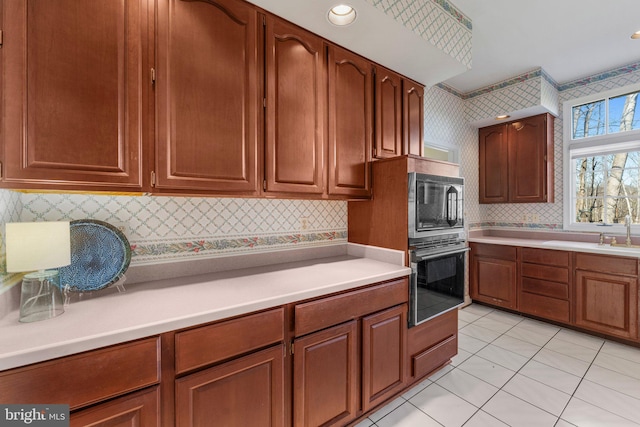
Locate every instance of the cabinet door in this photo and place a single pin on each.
(607, 303)
(296, 101)
(325, 377)
(208, 96)
(75, 89)
(383, 355)
(413, 117)
(388, 111)
(528, 160)
(494, 157)
(136, 410)
(350, 123)
(493, 281)
(245, 392)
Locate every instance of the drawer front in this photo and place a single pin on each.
(494, 251)
(213, 343)
(607, 264)
(434, 357)
(544, 287)
(545, 256)
(316, 315)
(431, 332)
(546, 307)
(85, 378)
(545, 272)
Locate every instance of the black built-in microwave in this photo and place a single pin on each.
(435, 204)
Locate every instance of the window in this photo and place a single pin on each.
(602, 160)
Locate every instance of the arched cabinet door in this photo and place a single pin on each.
(75, 90)
(413, 117)
(350, 123)
(295, 103)
(208, 96)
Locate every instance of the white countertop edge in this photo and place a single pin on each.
(559, 245)
(27, 352)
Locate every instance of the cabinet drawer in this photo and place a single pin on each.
(213, 343)
(607, 264)
(557, 274)
(545, 256)
(494, 251)
(430, 359)
(431, 332)
(315, 315)
(85, 378)
(544, 287)
(543, 306)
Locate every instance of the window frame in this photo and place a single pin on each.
(569, 179)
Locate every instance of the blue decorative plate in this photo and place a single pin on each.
(100, 254)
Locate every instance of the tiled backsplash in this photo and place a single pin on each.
(161, 229)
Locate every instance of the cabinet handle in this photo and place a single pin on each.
(153, 76)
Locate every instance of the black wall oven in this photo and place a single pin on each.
(437, 245)
(438, 266)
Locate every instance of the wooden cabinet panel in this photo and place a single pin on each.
(85, 378)
(350, 123)
(607, 303)
(208, 96)
(495, 251)
(413, 117)
(607, 264)
(383, 355)
(529, 154)
(75, 88)
(432, 344)
(546, 287)
(493, 280)
(545, 307)
(494, 158)
(545, 256)
(213, 343)
(516, 161)
(388, 111)
(325, 378)
(140, 409)
(296, 104)
(244, 392)
(545, 272)
(315, 315)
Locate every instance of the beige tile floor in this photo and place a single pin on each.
(518, 372)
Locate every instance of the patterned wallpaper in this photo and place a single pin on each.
(10, 208)
(437, 21)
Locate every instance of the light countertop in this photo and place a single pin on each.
(556, 242)
(159, 306)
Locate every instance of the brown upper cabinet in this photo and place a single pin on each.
(211, 97)
(399, 115)
(516, 161)
(75, 85)
(413, 117)
(208, 97)
(350, 122)
(388, 114)
(295, 116)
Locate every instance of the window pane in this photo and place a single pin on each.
(589, 209)
(589, 176)
(623, 113)
(588, 119)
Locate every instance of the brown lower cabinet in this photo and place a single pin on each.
(325, 361)
(593, 292)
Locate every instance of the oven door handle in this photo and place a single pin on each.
(419, 257)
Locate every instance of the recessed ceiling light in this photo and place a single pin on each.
(341, 15)
(502, 117)
(635, 35)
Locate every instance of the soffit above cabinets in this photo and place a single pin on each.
(428, 41)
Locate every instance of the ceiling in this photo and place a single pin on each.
(569, 39)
